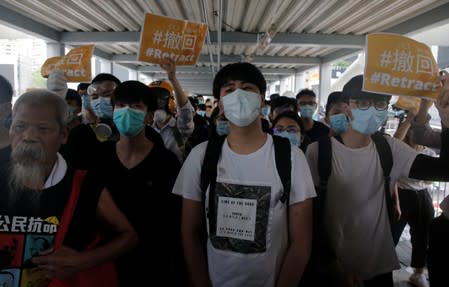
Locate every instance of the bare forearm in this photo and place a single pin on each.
(293, 267)
(196, 260)
(118, 246)
(180, 97)
(403, 129)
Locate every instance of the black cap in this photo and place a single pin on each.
(335, 98)
(106, 77)
(353, 90)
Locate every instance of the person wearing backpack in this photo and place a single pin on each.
(249, 192)
(355, 180)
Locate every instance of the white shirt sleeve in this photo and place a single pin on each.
(188, 182)
(403, 158)
(302, 184)
(312, 159)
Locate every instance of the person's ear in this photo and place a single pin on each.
(220, 104)
(64, 135)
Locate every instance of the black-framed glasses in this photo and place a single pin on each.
(380, 105)
(286, 129)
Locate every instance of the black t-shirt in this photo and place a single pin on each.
(27, 228)
(143, 194)
(318, 130)
(4, 155)
(81, 147)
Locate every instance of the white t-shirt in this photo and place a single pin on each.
(416, 184)
(249, 242)
(356, 216)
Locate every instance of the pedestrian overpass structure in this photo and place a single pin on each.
(284, 38)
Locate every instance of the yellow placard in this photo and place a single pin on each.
(49, 65)
(163, 37)
(408, 103)
(399, 65)
(76, 64)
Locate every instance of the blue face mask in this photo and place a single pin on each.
(70, 113)
(201, 113)
(307, 111)
(102, 107)
(128, 121)
(294, 138)
(339, 123)
(222, 128)
(241, 107)
(85, 102)
(368, 121)
(265, 111)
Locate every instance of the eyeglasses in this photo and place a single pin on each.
(287, 129)
(380, 105)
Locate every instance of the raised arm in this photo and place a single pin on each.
(404, 126)
(423, 134)
(169, 66)
(436, 169)
(184, 120)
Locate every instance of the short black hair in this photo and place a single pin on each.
(82, 86)
(130, 92)
(73, 95)
(105, 77)
(274, 96)
(335, 98)
(241, 71)
(291, 115)
(283, 101)
(6, 90)
(353, 89)
(305, 92)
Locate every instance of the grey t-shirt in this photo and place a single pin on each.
(356, 216)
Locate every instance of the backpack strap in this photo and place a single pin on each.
(69, 209)
(322, 252)
(209, 169)
(282, 155)
(386, 161)
(324, 161)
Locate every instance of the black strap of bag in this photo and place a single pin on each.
(386, 161)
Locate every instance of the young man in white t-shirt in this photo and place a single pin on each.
(356, 218)
(252, 244)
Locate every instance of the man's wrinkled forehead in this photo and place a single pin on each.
(36, 112)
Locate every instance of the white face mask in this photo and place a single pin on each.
(160, 116)
(241, 107)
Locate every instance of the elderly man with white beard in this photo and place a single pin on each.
(41, 196)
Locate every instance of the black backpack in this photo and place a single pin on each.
(209, 169)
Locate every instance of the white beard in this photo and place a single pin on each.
(27, 167)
